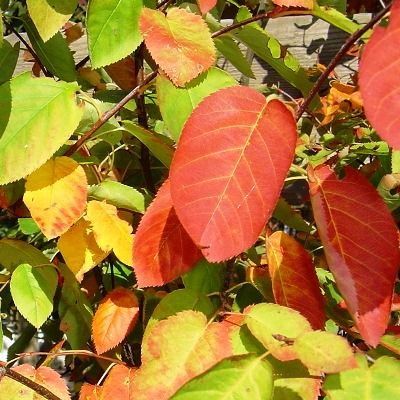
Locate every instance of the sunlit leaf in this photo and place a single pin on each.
(90, 392)
(221, 195)
(179, 42)
(360, 243)
(206, 5)
(163, 250)
(113, 30)
(295, 3)
(114, 319)
(118, 384)
(41, 117)
(294, 280)
(33, 289)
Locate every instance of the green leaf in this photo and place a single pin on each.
(50, 15)
(231, 51)
(395, 161)
(39, 119)
(379, 382)
(324, 352)
(55, 54)
(120, 195)
(176, 104)
(243, 342)
(75, 311)
(276, 327)
(238, 377)
(8, 60)
(113, 30)
(285, 213)
(15, 252)
(33, 289)
(1, 331)
(28, 226)
(205, 277)
(157, 144)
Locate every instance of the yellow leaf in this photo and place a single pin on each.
(79, 249)
(110, 231)
(56, 195)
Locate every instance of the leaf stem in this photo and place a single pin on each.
(339, 55)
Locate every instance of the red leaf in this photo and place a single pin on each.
(162, 250)
(118, 384)
(294, 3)
(229, 168)
(90, 392)
(360, 243)
(294, 281)
(379, 79)
(206, 5)
(179, 42)
(114, 319)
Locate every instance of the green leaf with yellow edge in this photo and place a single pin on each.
(378, 382)
(56, 195)
(74, 310)
(80, 250)
(113, 30)
(33, 289)
(324, 352)
(176, 104)
(15, 252)
(157, 144)
(110, 231)
(8, 59)
(238, 377)
(180, 348)
(276, 327)
(50, 15)
(120, 195)
(35, 124)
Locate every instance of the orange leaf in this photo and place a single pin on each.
(123, 73)
(294, 281)
(110, 231)
(308, 4)
(206, 5)
(360, 243)
(114, 319)
(56, 195)
(90, 392)
(163, 250)
(179, 42)
(379, 78)
(221, 194)
(118, 384)
(79, 249)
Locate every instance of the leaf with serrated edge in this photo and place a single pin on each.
(295, 3)
(221, 195)
(40, 119)
(56, 195)
(324, 352)
(238, 377)
(180, 348)
(110, 231)
(163, 250)
(379, 73)
(179, 42)
(114, 319)
(118, 384)
(50, 15)
(80, 249)
(294, 280)
(33, 289)
(113, 30)
(360, 243)
(275, 327)
(44, 376)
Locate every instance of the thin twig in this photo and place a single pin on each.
(16, 376)
(164, 4)
(339, 55)
(82, 63)
(109, 114)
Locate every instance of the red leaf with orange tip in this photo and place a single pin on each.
(229, 169)
(379, 79)
(206, 5)
(90, 392)
(179, 42)
(114, 319)
(118, 384)
(294, 281)
(361, 245)
(163, 250)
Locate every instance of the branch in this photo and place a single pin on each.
(339, 55)
(110, 113)
(16, 376)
